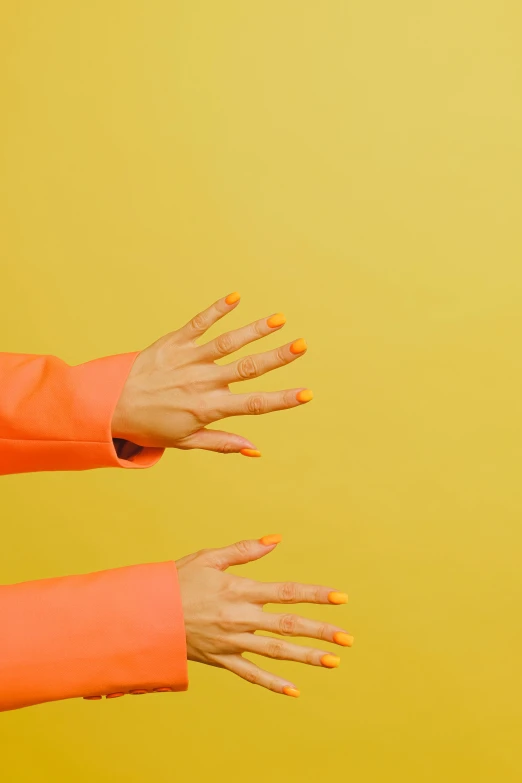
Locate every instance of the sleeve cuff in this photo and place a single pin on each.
(100, 383)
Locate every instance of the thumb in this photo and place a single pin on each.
(242, 552)
(222, 442)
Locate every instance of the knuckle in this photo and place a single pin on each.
(275, 649)
(259, 329)
(251, 677)
(310, 656)
(226, 622)
(243, 548)
(201, 412)
(288, 399)
(324, 632)
(256, 404)
(198, 323)
(288, 624)
(224, 344)
(287, 592)
(247, 368)
(281, 356)
(225, 447)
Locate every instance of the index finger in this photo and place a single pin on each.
(202, 322)
(294, 593)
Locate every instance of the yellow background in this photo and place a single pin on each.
(357, 165)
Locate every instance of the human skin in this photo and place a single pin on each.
(123, 411)
(223, 612)
(175, 388)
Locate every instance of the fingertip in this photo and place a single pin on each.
(305, 395)
(233, 298)
(291, 691)
(337, 598)
(298, 346)
(276, 320)
(271, 540)
(344, 639)
(250, 452)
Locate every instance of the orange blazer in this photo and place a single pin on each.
(105, 634)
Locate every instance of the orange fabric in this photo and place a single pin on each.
(57, 417)
(105, 633)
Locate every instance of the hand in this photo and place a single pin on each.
(175, 388)
(222, 613)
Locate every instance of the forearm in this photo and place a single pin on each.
(107, 633)
(57, 417)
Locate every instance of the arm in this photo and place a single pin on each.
(57, 417)
(123, 411)
(109, 633)
(130, 630)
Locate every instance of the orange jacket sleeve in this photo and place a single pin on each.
(57, 417)
(104, 634)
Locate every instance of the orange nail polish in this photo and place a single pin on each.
(250, 453)
(299, 346)
(270, 540)
(330, 661)
(338, 598)
(305, 396)
(276, 320)
(344, 639)
(291, 692)
(233, 298)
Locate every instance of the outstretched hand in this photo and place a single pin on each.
(222, 613)
(175, 388)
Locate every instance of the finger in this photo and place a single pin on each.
(286, 651)
(230, 342)
(293, 593)
(261, 402)
(241, 552)
(221, 442)
(258, 364)
(294, 625)
(204, 320)
(256, 676)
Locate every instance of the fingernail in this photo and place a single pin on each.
(250, 453)
(338, 598)
(291, 692)
(344, 639)
(233, 298)
(330, 661)
(305, 396)
(299, 346)
(276, 320)
(271, 540)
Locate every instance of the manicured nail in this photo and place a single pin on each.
(330, 661)
(276, 320)
(291, 692)
(344, 639)
(299, 346)
(338, 598)
(305, 396)
(233, 298)
(250, 453)
(271, 540)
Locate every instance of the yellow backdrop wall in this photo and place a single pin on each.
(357, 165)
